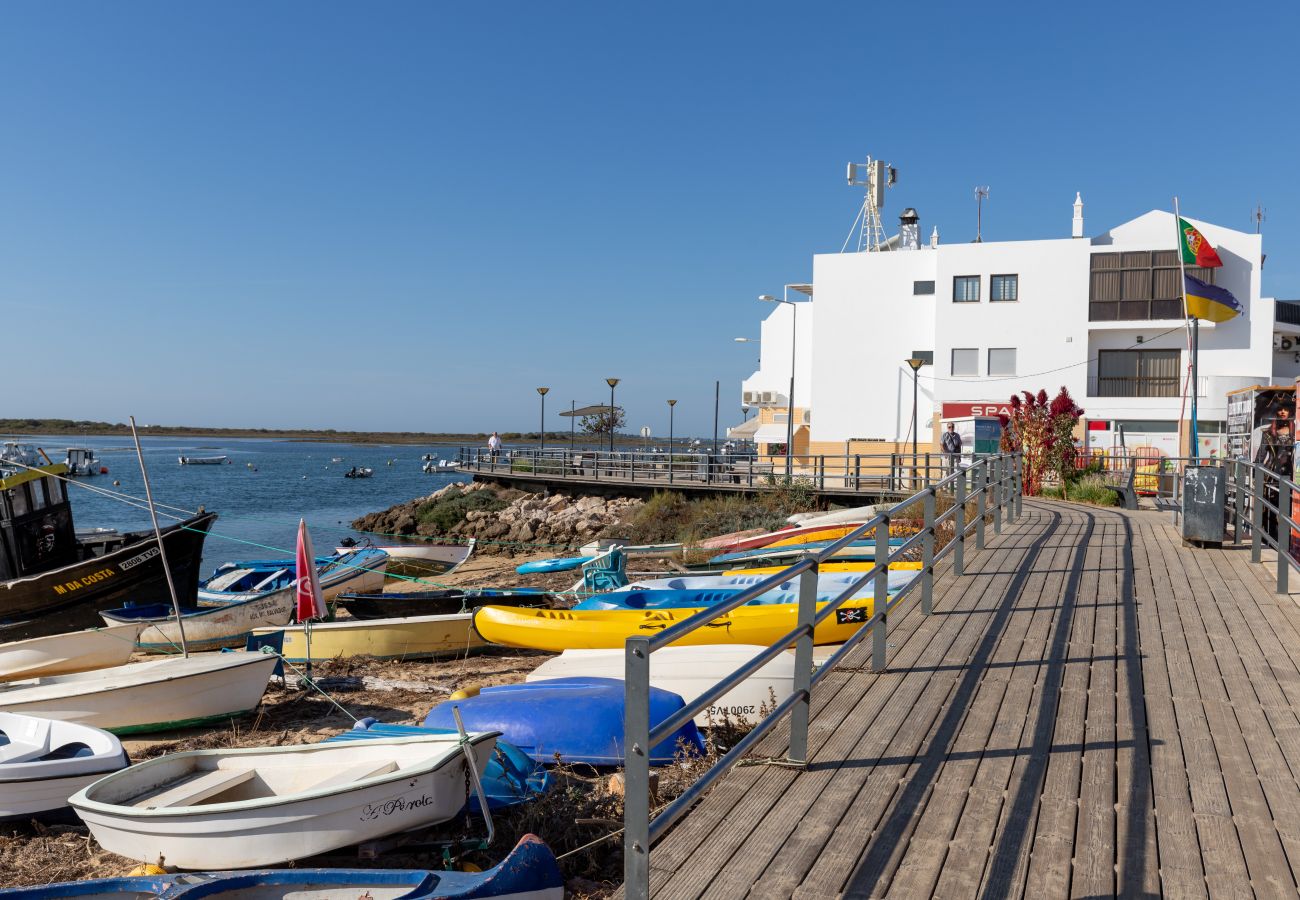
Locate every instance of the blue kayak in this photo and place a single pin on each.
(560, 564)
(578, 719)
(510, 778)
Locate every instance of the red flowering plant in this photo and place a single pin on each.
(1043, 431)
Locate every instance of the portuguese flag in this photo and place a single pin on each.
(1196, 250)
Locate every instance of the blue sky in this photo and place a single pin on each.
(407, 216)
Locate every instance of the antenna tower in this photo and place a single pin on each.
(981, 194)
(1258, 217)
(875, 176)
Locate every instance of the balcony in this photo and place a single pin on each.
(1117, 386)
(1134, 310)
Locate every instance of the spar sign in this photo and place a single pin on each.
(985, 408)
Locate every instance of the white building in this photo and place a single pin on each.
(1099, 315)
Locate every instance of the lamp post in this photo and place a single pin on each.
(573, 421)
(541, 432)
(671, 404)
(916, 368)
(612, 382)
(789, 411)
(745, 340)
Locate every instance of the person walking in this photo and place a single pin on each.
(494, 447)
(1276, 454)
(950, 443)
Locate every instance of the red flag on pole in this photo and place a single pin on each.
(311, 605)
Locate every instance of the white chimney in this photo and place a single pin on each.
(934, 237)
(1077, 229)
(909, 230)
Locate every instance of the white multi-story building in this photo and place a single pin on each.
(1100, 316)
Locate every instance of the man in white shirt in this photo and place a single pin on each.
(494, 447)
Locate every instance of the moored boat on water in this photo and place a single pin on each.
(54, 579)
(82, 461)
(202, 460)
(359, 472)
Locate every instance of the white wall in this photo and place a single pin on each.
(773, 373)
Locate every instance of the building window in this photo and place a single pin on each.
(1002, 360)
(1004, 288)
(1137, 285)
(966, 289)
(965, 361)
(1137, 373)
(922, 287)
(1147, 426)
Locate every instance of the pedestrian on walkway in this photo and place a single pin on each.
(950, 443)
(494, 447)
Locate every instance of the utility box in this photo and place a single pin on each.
(1204, 504)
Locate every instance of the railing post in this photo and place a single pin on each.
(1283, 533)
(927, 555)
(857, 471)
(636, 769)
(1239, 504)
(981, 503)
(1256, 513)
(880, 599)
(1018, 461)
(803, 664)
(959, 523)
(997, 495)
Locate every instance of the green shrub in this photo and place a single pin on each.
(447, 512)
(1092, 489)
(661, 520)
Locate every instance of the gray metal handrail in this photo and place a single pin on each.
(997, 478)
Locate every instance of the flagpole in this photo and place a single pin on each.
(1195, 323)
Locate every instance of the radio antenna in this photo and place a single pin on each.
(981, 194)
(875, 176)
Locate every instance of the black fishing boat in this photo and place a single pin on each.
(53, 579)
(435, 603)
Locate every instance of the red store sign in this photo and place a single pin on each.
(988, 408)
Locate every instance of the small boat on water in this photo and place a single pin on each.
(434, 603)
(689, 672)
(156, 695)
(410, 637)
(63, 654)
(359, 472)
(239, 809)
(82, 461)
(530, 872)
(578, 719)
(242, 596)
(432, 467)
(44, 762)
(203, 460)
(55, 579)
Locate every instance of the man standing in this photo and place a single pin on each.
(950, 443)
(494, 447)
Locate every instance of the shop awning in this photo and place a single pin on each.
(744, 432)
(770, 434)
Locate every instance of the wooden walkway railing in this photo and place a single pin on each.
(1092, 709)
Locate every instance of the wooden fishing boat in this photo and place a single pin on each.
(689, 672)
(202, 460)
(556, 630)
(54, 579)
(63, 654)
(411, 637)
(174, 692)
(44, 762)
(237, 809)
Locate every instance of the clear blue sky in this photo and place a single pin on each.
(409, 215)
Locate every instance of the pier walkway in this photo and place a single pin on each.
(1093, 709)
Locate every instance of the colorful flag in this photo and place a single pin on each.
(1205, 301)
(310, 603)
(1196, 250)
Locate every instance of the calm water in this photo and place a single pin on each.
(292, 480)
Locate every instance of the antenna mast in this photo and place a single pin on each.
(981, 194)
(1258, 216)
(875, 176)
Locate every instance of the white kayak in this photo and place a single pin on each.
(156, 695)
(828, 583)
(73, 651)
(690, 671)
(236, 809)
(44, 762)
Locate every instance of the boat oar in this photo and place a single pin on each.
(162, 551)
(472, 764)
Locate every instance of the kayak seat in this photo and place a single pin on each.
(356, 773)
(195, 790)
(74, 750)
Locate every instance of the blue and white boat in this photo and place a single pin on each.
(242, 596)
(829, 586)
(857, 550)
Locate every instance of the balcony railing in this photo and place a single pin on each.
(1123, 386)
(1134, 310)
(1288, 312)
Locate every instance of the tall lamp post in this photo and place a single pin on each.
(916, 369)
(789, 411)
(613, 417)
(671, 404)
(541, 433)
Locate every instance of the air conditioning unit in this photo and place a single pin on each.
(749, 398)
(767, 397)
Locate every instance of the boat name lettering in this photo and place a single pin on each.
(84, 581)
(136, 560)
(397, 804)
(733, 710)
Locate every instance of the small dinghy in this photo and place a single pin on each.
(202, 460)
(418, 560)
(411, 637)
(63, 654)
(148, 696)
(434, 603)
(359, 472)
(689, 672)
(580, 720)
(239, 809)
(44, 762)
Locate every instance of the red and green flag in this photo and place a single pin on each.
(1196, 250)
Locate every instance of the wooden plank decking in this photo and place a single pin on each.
(1093, 710)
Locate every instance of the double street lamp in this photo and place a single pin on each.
(789, 415)
(613, 415)
(541, 433)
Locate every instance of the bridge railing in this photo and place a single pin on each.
(992, 484)
(874, 473)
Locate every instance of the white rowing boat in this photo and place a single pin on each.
(44, 762)
(236, 809)
(62, 654)
(202, 460)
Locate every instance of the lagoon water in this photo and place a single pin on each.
(259, 509)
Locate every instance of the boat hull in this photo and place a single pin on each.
(71, 597)
(63, 654)
(432, 603)
(208, 627)
(412, 637)
(43, 763)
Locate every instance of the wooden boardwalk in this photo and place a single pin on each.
(1092, 710)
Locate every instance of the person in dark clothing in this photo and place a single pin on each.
(950, 443)
(1276, 454)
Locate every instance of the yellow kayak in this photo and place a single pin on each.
(827, 567)
(559, 629)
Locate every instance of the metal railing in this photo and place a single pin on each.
(868, 473)
(992, 483)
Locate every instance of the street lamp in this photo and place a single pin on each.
(671, 404)
(789, 411)
(541, 434)
(916, 369)
(612, 382)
